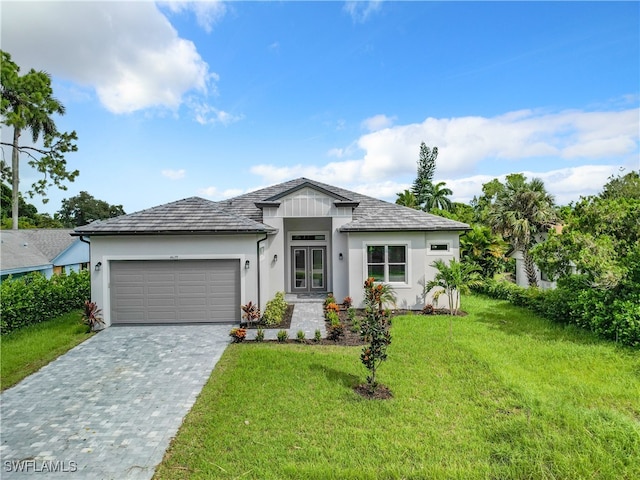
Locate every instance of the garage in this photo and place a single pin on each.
(175, 291)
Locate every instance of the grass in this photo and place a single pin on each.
(28, 349)
(509, 396)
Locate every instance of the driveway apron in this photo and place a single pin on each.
(108, 408)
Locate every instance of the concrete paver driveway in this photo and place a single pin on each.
(108, 408)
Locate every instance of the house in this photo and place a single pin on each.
(196, 260)
(49, 251)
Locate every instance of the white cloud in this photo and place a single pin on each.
(207, 12)
(377, 122)
(213, 192)
(174, 174)
(128, 52)
(604, 140)
(360, 11)
(208, 114)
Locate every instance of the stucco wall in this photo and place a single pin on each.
(409, 295)
(175, 248)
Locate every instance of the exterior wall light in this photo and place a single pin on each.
(340, 257)
(275, 258)
(246, 265)
(98, 266)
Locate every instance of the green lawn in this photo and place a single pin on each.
(28, 349)
(510, 396)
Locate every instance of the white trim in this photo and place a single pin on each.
(365, 263)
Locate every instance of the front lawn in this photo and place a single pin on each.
(28, 349)
(510, 396)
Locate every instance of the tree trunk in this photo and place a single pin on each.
(15, 185)
(530, 269)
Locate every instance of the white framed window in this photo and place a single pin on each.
(388, 263)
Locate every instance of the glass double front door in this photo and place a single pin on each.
(308, 269)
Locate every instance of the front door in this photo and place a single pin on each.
(308, 269)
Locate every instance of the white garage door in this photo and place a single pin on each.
(184, 291)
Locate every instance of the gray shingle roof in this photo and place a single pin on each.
(33, 247)
(243, 214)
(191, 215)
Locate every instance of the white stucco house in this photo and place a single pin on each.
(196, 260)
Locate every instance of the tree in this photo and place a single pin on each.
(426, 170)
(84, 208)
(600, 233)
(436, 196)
(28, 213)
(375, 328)
(407, 199)
(453, 279)
(521, 213)
(28, 105)
(480, 246)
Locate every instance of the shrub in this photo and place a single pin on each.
(238, 334)
(317, 336)
(330, 299)
(33, 298)
(427, 309)
(332, 307)
(92, 316)
(335, 331)
(351, 312)
(300, 336)
(347, 302)
(275, 310)
(282, 336)
(250, 313)
(260, 335)
(332, 317)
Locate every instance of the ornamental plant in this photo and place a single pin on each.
(238, 334)
(375, 328)
(92, 316)
(250, 313)
(275, 310)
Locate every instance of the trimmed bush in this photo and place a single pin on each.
(33, 299)
(275, 310)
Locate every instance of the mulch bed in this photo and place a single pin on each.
(284, 324)
(381, 392)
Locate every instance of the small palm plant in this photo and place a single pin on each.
(251, 313)
(92, 316)
(453, 279)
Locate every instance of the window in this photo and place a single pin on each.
(307, 237)
(387, 263)
(439, 247)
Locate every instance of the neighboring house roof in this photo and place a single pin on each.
(33, 248)
(244, 214)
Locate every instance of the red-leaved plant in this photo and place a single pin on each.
(92, 316)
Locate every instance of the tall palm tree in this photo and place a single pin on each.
(436, 196)
(27, 105)
(522, 212)
(407, 199)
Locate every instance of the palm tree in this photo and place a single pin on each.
(522, 212)
(407, 199)
(436, 197)
(482, 247)
(27, 104)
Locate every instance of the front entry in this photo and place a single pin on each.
(308, 269)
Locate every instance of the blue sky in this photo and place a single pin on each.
(214, 99)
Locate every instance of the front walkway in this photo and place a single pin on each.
(108, 408)
(308, 316)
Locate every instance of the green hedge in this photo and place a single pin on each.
(33, 298)
(612, 314)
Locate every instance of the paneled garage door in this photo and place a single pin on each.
(184, 291)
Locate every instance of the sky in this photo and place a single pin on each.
(214, 99)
